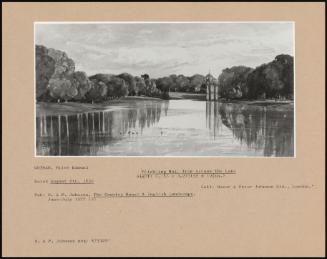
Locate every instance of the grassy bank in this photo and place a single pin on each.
(202, 97)
(189, 96)
(259, 102)
(76, 107)
(49, 108)
(139, 98)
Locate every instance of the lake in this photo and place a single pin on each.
(169, 128)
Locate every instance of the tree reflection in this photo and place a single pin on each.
(266, 128)
(85, 134)
(212, 118)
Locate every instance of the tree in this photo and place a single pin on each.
(232, 82)
(130, 83)
(173, 86)
(120, 88)
(182, 83)
(197, 83)
(105, 78)
(150, 86)
(287, 74)
(98, 91)
(164, 83)
(145, 76)
(82, 83)
(140, 85)
(62, 89)
(116, 86)
(272, 80)
(63, 64)
(44, 69)
(55, 78)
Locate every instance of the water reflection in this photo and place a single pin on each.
(88, 133)
(181, 127)
(262, 128)
(213, 119)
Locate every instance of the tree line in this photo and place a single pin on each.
(272, 80)
(57, 81)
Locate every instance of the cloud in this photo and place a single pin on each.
(160, 49)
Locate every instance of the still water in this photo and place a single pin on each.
(169, 128)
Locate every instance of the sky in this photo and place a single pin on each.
(162, 49)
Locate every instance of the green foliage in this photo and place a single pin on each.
(197, 83)
(271, 80)
(181, 83)
(64, 66)
(98, 92)
(130, 82)
(81, 82)
(56, 80)
(62, 89)
(55, 76)
(140, 85)
(232, 82)
(120, 88)
(114, 86)
(174, 85)
(151, 88)
(44, 69)
(145, 76)
(164, 83)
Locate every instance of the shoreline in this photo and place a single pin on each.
(52, 108)
(259, 102)
(202, 97)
